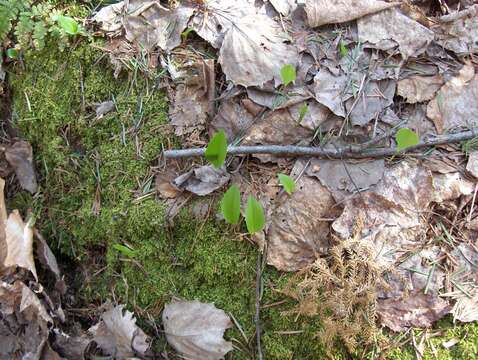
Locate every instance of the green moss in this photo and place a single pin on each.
(81, 160)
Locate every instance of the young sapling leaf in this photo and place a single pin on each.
(287, 74)
(255, 219)
(68, 24)
(343, 49)
(12, 53)
(405, 138)
(124, 250)
(302, 112)
(216, 150)
(231, 205)
(287, 182)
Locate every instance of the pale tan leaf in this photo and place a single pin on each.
(456, 103)
(284, 7)
(472, 165)
(254, 51)
(321, 12)
(20, 157)
(297, 235)
(202, 180)
(117, 334)
(109, 17)
(19, 244)
(196, 330)
(419, 88)
(390, 28)
(450, 186)
(330, 91)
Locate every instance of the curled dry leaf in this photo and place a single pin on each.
(20, 157)
(321, 12)
(419, 88)
(196, 330)
(389, 28)
(202, 180)
(117, 334)
(417, 310)
(297, 235)
(275, 100)
(18, 245)
(456, 103)
(254, 51)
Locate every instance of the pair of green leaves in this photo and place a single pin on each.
(231, 210)
(255, 219)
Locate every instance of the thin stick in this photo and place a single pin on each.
(257, 317)
(348, 152)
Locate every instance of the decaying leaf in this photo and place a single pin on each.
(109, 17)
(297, 235)
(343, 178)
(389, 28)
(321, 12)
(269, 97)
(284, 7)
(472, 165)
(419, 88)
(164, 181)
(450, 186)
(330, 91)
(458, 31)
(196, 330)
(18, 245)
(20, 157)
(202, 180)
(218, 16)
(315, 115)
(278, 127)
(104, 108)
(456, 103)
(254, 51)
(191, 103)
(71, 347)
(117, 334)
(417, 310)
(234, 117)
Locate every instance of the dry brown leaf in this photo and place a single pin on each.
(343, 178)
(450, 186)
(472, 164)
(456, 103)
(458, 31)
(321, 12)
(267, 96)
(164, 182)
(71, 347)
(284, 7)
(20, 157)
(417, 310)
(234, 116)
(109, 17)
(218, 16)
(278, 127)
(196, 330)
(297, 235)
(191, 104)
(202, 180)
(389, 28)
(18, 245)
(254, 51)
(117, 334)
(316, 114)
(330, 91)
(419, 88)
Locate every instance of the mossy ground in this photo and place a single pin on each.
(81, 161)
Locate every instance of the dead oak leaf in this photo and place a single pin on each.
(117, 334)
(254, 51)
(321, 12)
(196, 329)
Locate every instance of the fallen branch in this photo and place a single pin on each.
(347, 152)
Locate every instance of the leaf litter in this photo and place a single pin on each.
(380, 66)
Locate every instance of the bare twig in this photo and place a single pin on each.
(347, 152)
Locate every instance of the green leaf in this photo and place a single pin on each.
(217, 149)
(287, 74)
(343, 49)
(12, 53)
(68, 24)
(255, 219)
(287, 182)
(406, 138)
(124, 250)
(185, 33)
(303, 111)
(231, 205)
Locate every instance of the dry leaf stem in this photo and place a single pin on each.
(346, 152)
